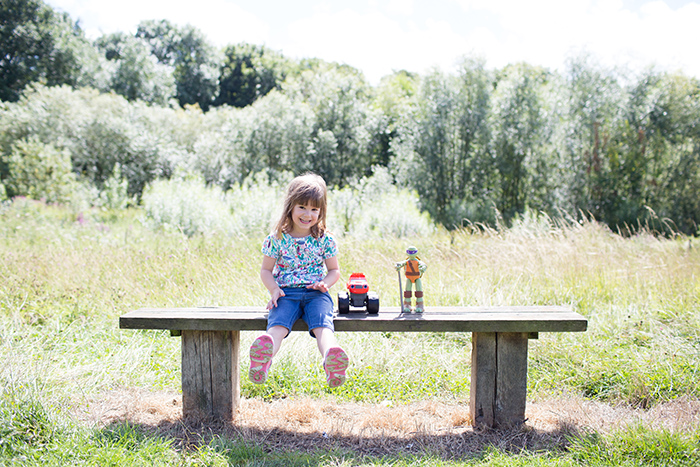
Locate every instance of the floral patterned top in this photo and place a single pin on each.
(299, 261)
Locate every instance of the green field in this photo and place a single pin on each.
(78, 390)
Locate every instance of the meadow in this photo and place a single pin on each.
(75, 389)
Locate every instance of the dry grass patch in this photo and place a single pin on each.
(442, 429)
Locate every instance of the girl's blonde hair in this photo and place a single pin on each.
(309, 190)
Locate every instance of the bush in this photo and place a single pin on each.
(101, 131)
(371, 208)
(256, 203)
(39, 171)
(374, 207)
(186, 204)
(115, 193)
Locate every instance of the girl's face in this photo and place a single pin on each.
(304, 216)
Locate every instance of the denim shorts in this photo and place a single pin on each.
(313, 306)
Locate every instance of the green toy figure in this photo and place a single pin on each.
(414, 270)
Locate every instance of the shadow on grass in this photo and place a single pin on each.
(239, 442)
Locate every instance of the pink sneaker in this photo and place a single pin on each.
(335, 363)
(260, 359)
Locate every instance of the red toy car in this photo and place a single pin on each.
(358, 295)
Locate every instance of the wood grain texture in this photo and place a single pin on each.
(499, 379)
(511, 379)
(437, 319)
(210, 385)
(482, 395)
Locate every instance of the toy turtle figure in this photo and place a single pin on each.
(414, 270)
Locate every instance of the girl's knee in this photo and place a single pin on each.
(278, 332)
(320, 331)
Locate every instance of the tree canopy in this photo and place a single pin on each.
(478, 145)
(38, 44)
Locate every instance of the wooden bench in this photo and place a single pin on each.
(211, 349)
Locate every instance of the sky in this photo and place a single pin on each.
(379, 37)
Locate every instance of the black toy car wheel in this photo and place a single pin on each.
(372, 304)
(343, 303)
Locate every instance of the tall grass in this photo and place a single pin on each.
(66, 277)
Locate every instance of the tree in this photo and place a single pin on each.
(40, 45)
(281, 134)
(452, 171)
(392, 100)
(519, 133)
(249, 72)
(672, 182)
(136, 73)
(194, 60)
(595, 102)
(338, 97)
(100, 131)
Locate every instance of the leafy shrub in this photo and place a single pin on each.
(371, 208)
(39, 171)
(188, 205)
(219, 149)
(376, 207)
(115, 193)
(100, 131)
(256, 203)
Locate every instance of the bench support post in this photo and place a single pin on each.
(210, 374)
(499, 379)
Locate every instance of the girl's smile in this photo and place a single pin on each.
(304, 217)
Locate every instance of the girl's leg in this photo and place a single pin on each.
(335, 360)
(280, 320)
(325, 339)
(278, 333)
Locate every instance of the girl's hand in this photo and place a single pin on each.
(320, 286)
(274, 296)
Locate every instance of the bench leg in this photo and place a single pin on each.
(210, 374)
(499, 379)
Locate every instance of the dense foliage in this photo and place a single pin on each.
(477, 145)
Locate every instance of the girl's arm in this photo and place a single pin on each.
(268, 280)
(331, 277)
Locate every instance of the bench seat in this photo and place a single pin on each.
(211, 349)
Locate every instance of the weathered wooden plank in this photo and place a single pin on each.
(235, 370)
(210, 384)
(511, 379)
(482, 395)
(387, 309)
(438, 319)
(499, 379)
(196, 397)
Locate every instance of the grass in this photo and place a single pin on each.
(66, 277)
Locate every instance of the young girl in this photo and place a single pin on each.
(300, 264)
